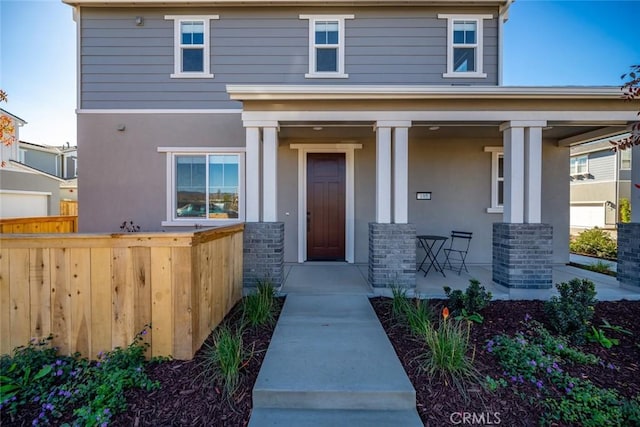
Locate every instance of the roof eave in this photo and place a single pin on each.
(173, 3)
(327, 92)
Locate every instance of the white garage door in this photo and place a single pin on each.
(20, 204)
(587, 216)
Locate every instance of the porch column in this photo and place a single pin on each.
(263, 254)
(252, 154)
(522, 245)
(401, 174)
(629, 233)
(383, 174)
(533, 175)
(392, 245)
(270, 174)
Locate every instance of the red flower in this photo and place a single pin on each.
(445, 313)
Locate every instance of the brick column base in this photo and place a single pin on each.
(522, 255)
(392, 255)
(263, 253)
(629, 255)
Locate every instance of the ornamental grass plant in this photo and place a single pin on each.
(258, 307)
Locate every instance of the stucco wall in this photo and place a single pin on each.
(126, 177)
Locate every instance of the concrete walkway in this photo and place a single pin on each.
(330, 363)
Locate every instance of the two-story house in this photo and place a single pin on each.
(335, 130)
(25, 191)
(600, 181)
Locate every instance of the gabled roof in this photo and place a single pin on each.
(13, 116)
(31, 169)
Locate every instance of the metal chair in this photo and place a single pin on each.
(457, 251)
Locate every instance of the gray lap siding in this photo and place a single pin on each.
(128, 66)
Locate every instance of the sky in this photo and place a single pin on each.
(547, 43)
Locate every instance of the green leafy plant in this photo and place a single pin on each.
(470, 317)
(625, 210)
(493, 384)
(225, 357)
(89, 393)
(571, 313)
(600, 267)
(598, 335)
(448, 356)
(615, 328)
(258, 307)
(418, 316)
(595, 242)
(399, 301)
(474, 299)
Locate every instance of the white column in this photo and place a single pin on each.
(533, 175)
(635, 183)
(513, 139)
(383, 175)
(252, 197)
(400, 175)
(270, 174)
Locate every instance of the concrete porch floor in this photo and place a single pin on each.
(342, 278)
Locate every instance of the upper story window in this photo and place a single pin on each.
(625, 159)
(465, 45)
(326, 46)
(191, 49)
(579, 165)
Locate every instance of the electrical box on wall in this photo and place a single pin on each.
(423, 195)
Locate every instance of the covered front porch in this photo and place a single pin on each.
(350, 279)
(419, 160)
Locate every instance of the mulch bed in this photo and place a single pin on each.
(189, 397)
(437, 401)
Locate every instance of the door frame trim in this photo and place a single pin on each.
(348, 150)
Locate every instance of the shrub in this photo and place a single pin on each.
(595, 242)
(448, 351)
(473, 300)
(570, 314)
(224, 358)
(625, 210)
(258, 307)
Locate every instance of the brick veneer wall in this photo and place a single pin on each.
(522, 255)
(263, 253)
(392, 255)
(629, 254)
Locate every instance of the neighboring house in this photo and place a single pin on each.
(58, 161)
(334, 130)
(600, 178)
(25, 191)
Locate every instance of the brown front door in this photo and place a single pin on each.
(325, 206)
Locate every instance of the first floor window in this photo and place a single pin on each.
(497, 179)
(579, 165)
(204, 187)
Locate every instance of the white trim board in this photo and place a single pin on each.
(158, 111)
(349, 151)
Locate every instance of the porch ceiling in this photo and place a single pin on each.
(351, 132)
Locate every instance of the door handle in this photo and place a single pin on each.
(308, 222)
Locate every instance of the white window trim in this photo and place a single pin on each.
(576, 173)
(177, 57)
(624, 153)
(496, 152)
(171, 153)
(349, 152)
(479, 19)
(340, 74)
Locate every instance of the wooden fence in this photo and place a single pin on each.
(94, 292)
(69, 207)
(41, 224)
